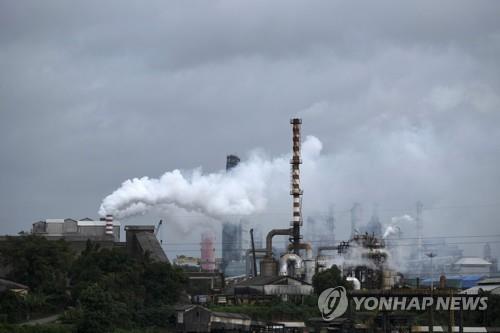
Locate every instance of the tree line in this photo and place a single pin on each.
(98, 290)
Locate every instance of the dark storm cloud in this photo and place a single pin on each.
(404, 98)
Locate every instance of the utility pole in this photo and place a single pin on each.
(432, 255)
(254, 260)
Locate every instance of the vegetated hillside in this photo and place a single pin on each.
(99, 290)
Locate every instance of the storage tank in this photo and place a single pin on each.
(268, 267)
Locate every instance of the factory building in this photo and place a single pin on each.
(101, 230)
(285, 287)
(234, 242)
(472, 265)
(195, 318)
(234, 237)
(142, 241)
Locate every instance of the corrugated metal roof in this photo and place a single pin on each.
(230, 315)
(12, 285)
(489, 281)
(54, 220)
(149, 242)
(472, 261)
(84, 223)
(475, 290)
(96, 223)
(267, 280)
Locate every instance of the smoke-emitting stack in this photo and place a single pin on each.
(109, 224)
(296, 192)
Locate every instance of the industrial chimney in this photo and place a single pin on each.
(295, 191)
(109, 225)
(232, 161)
(208, 251)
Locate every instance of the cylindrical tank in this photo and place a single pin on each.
(310, 268)
(207, 251)
(268, 267)
(355, 282)
(286, 259)
(387, 279)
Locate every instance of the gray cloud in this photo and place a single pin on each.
(404, 98)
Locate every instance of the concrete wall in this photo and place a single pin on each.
(54, 228)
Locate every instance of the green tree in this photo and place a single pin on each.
(97, 310)
(329, 278)
(41, 264)
(139, 292)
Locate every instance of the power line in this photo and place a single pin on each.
(192, 249)
(390, 239)
(337, 212)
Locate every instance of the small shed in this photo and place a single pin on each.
(15, 287)
(195, 318)
(273, 285)
(472, 265)
(489, 285)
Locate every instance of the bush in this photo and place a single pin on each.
(329, 278)
(48, 328)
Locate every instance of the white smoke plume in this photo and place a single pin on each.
(393, 228)
(241, 191)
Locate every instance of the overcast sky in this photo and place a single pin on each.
(404, 96)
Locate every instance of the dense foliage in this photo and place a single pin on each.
(276, 311)
(41, 264)
(105, 288)
(329, 278)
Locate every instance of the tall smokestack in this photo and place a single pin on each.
(295, 191)
(207, 251)
(232, 161)
(109, 225)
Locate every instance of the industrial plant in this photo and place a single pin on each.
(253, 270)
(370, 261)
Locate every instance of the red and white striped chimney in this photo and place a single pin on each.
(295, 190)
(109, 224)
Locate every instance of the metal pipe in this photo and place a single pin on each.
(355, 282)
(309, 262)
(327, 248)
(285, 259)
(303, 246)
(269, 239)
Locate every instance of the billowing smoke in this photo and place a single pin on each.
(394, 228)
(391, 230)
(241, 191)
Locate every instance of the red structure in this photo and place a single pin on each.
(207, 251)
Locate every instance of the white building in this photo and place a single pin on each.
(73, 229)
(472, 265)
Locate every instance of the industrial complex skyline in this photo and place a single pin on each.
(402, 100)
